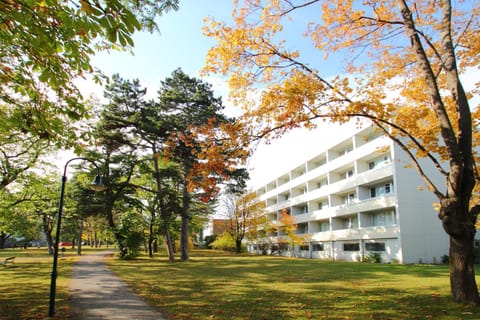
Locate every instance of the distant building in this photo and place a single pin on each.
(217, 226)
(354, 199)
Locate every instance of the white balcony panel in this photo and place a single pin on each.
(365, 205)
(357, 234)
(374, 174)
(305, 217)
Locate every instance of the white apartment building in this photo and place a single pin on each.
(355, 198)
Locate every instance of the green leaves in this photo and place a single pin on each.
(46, 45)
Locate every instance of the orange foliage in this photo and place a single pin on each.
(218, 149)
(383, 78)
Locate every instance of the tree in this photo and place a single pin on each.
(176, 140)
(86, 209)
(403, 66)
(193, 118)
(46, 46)
(131, 125)
(288, 227)
(243, 212)
(29, 208)
(160, 192)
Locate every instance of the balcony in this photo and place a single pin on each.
(383, 232)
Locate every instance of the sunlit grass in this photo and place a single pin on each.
(223, 286)
(25, 287)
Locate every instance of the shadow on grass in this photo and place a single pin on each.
(242, 287)
(25, 287)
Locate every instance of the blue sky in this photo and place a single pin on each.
(180, 44)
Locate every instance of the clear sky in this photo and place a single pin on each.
(180, 44)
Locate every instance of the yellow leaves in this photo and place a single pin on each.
(86, 7)
(280, 91)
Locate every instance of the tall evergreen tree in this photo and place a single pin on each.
(186, 104)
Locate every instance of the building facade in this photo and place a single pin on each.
(355, 199)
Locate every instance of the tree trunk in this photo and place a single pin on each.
(458, 223)
(185, 221)
(169, 244)
(79, 239)
(462, 274)
(3, 239)
(47, 230)
(184, 238)
(48, 238)
(151, 236)
(238, 245)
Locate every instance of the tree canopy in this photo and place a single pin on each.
(46, 46)
(403, 62)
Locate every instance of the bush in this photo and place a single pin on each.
(373, 257)
(129, 235)
(445, 259)
(191, 246)
(130, 245)
(224, 242)
(209, 240)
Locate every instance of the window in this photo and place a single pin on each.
(321, 183)
(325, 226)
(371, 165)
(350, 198)
(317, 247)
(381, 190)
(375, 246)
(320, 206)
(349, 173)
(350, 222)
(351, 247)
(476, 244)
(387, 188)
(384, 218)
(304, 247)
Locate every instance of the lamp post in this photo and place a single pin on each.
(96, 185)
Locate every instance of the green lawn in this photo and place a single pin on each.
(25, 287)
(227, 286)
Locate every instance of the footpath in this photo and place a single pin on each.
(97, 294)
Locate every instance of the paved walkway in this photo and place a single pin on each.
(98, 294)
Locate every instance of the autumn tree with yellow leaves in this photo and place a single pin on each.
(403, 62)
(245, 214)
(288, 227)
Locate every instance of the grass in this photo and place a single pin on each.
(25, 287)
(227, 286)
(215, 285)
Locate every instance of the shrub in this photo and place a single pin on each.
(373, 257)
(129, 235)
(224, 242)
(209, 240)
(445, 259)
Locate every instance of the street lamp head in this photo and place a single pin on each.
(97, 184)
